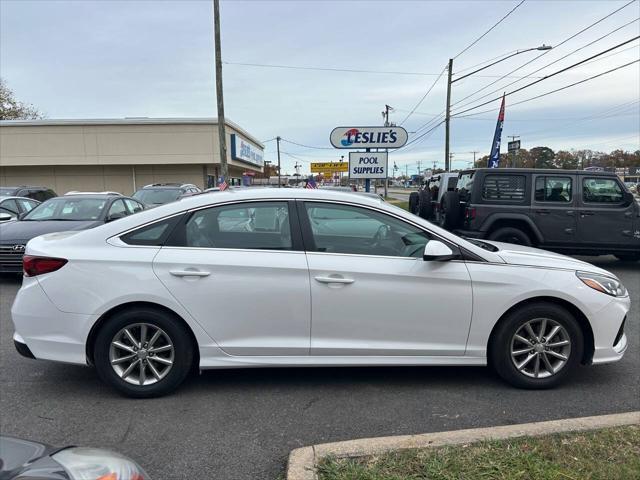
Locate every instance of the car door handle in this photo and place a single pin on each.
(587, 214)
(543, 212)
(334, 280)
(189, 273)
(570, 213)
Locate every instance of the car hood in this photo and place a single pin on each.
(535, 257)
(23, 231)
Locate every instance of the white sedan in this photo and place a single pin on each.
(295, 277)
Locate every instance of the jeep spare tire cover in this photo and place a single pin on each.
(452, 210)
(414, 198)
(425, 209)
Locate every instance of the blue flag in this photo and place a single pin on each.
(494, 158)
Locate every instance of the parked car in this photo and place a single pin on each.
(208, 282)
(40, 194)
(12, 207)
(26, 459)
(427, 200)
(576, 212)
(60, 214)
(161, 193)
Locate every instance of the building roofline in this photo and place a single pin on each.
(128, 121)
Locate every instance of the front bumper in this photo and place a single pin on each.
(610, 341)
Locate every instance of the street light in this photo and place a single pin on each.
(450, 81)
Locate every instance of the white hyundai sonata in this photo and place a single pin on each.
(294, 277)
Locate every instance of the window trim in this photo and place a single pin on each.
(534, 182)
(307, 232)
(294, 225)
(504, 200)
(601, 204)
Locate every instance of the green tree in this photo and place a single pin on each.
(542, 157)
(566, 160)
(12, 109)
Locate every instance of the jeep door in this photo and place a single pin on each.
(605, 218)
(553, 208)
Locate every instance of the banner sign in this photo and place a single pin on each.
(246, 152)
(513, 146)
(318, 167)
(367, 165)
(494, 158)
(368, 137)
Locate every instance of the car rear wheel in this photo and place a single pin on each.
(511, 235)
(450, 210)
(425, 208)
(143, 352)
(537, 346)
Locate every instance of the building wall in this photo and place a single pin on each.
(68, 155)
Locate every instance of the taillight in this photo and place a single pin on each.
(470, 213)
(33, 266)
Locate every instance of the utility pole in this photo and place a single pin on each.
(222, 135)
(419, 167)
(279, 179)
(447, 118)
(474, 158)
(386, 124)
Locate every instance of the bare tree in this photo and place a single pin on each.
(12, 109)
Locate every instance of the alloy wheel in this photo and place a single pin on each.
(141, 354)
(540, 348)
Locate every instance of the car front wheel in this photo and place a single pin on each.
(537, 346)
(143, 352)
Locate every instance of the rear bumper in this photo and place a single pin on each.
(46, 332)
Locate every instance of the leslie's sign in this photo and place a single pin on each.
(368, 137)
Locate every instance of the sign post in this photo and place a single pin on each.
(512, 149)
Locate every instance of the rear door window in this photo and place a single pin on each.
(10, 207)
(554, 189)
(504, 188)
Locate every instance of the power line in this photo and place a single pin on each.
(544, 66)
(568, 86)
(551, 75)
(306, 146)
(485, 33)
(486, 61)
(425, 95)
(571, 37)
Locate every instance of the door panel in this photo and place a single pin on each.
(391, 306)
(603, 220)
(553, 210)
(250, 303)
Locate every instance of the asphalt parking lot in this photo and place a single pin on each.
(241, 424)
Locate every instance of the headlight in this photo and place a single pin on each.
(96, 464)
(602, 283)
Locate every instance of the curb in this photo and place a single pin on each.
(302, 461)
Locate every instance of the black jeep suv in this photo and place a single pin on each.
(577, 212)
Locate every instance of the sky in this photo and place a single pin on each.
(117, 58)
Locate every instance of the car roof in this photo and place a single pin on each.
(99, 196)
(546, 171)
(14, 197)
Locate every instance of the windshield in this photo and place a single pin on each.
(72, 209)
(6, 192)
(157, 197)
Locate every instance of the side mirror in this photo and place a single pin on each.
(628, 198)
(5, 217)
(116, 216)
(437, 251)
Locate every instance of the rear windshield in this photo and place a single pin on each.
(66, 208)
(158, 196)
(465, 181)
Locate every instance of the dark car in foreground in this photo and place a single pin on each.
(28, 460)
(161, 193)
(60, 214)
(569, 211)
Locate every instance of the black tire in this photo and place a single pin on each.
(177, 335)
(425, 208)
(628, 257)
(499, 355)
(414, 198)
(511, 235)
(450, 210)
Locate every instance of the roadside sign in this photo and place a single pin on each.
(367, 165)
(513, 146)
(319, 167)
(368, 137)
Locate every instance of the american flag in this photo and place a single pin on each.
(223, 184)
(311, 183)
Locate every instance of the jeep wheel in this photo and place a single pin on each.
(536, 346)
(450, 210)
(511, 235)
(413, 202)
(628, 257)
(425, 209)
